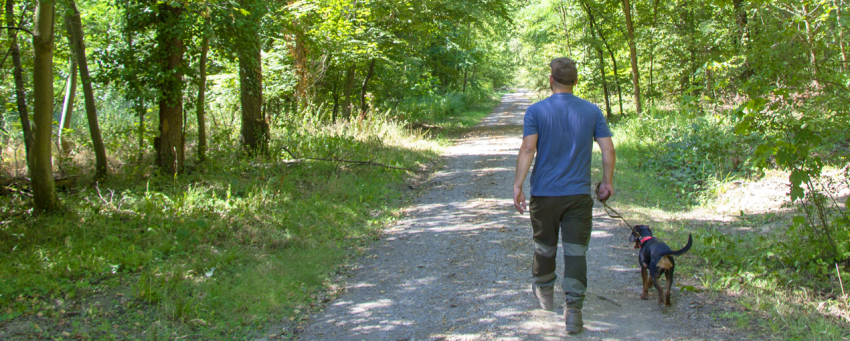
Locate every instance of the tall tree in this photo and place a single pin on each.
(70, 93)
(255, 127)
(627, 10)
(347, 90)
(363, 107)
(840, 29)
(170, 144)
(91, 111)
(202, 88)
(600, 54)
(43, 190)
(20, 91)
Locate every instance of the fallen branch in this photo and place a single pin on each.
(355, 162)
(604, 298)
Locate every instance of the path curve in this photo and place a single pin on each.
(457, 266)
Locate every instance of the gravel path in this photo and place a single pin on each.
(457, 267)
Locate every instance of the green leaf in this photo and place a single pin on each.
(796, 193)
(799, 220)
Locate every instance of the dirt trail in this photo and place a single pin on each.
(457, 267)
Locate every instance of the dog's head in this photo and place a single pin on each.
(639, 232)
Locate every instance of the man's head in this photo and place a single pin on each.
(564, 73)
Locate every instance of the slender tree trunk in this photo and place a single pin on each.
(741, 22)
(465, 71)
(563, 13)
(627, 9)
(601, 59)
(255, 128)
(651, 93)
(91, 112)
(43, 190)
(810, 39)
(68, 104)
(335, 96)
(840, 29)
(616, 71)
(299, 57)
(363, 107)
(201, 104)
(170, 146)
(349, 87)
(20, 91)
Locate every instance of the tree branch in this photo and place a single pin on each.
(17, 28)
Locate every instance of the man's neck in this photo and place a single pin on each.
(562, 90)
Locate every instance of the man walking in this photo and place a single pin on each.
(561, 130)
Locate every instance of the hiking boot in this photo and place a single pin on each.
(572, 320)
(545, 296)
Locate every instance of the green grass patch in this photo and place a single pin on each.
(219, 252)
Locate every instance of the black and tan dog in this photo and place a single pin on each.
(656, 257)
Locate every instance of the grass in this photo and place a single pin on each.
(776, 293)
(222, 252)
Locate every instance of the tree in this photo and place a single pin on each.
(255, 128)
(627, 10)
(43, 191)
(20, 91)
(202, 87)
(170, 143)
(79, 50)
(70, 92)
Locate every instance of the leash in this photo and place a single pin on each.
(609, 210)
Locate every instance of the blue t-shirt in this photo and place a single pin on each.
(565, 126)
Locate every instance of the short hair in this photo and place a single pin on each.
(564, 70)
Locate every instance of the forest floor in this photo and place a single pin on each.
(457, 266)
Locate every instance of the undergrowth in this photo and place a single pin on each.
(218, 252)
(772, 266)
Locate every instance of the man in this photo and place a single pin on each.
(561, 130)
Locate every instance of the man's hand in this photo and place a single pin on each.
(519, 200)
(605, 191)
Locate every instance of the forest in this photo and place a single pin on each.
(208, 167)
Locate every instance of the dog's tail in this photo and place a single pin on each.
(683, 250)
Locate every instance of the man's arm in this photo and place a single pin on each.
(609, 159)
(523, 163)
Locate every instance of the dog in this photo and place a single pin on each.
(656, 258)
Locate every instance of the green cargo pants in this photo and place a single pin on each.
(573, 216)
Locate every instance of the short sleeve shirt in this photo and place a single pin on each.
(565, 126)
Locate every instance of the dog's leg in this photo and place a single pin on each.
(658, 287)
(669, 284)
(645, 283)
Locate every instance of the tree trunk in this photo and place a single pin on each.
(346, 94)
(335, 96)
(741, 22)
(68, 104)
(363, 107)
(255, 128)
(651, 93)
(601, 61)
(616, 70)
(43, 190)
(627, 9)
(810, 39)
(840, 29)
(170, 146)
(91, 112)
(563, 14)
(201, 104)
(465, 70)
(20, 92)
(299, 57)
